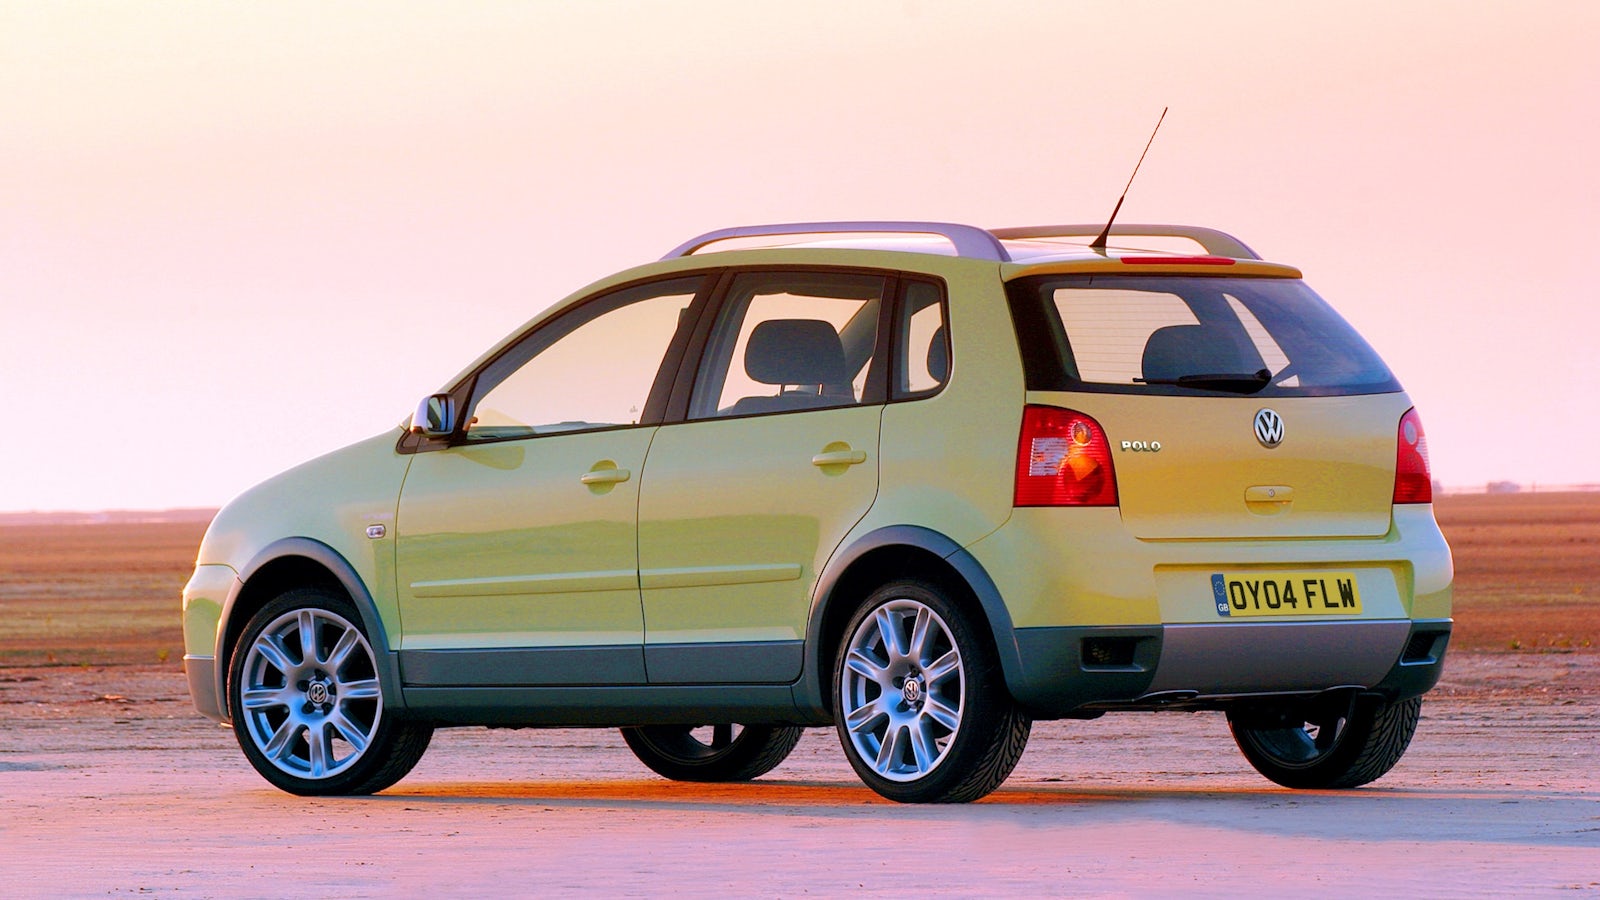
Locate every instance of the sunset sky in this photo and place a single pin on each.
(236, 236)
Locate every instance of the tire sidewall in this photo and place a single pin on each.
(1333, 769)
(757, 750)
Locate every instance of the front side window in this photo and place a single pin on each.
(1177, 334)
(790, 341)
(594, 367)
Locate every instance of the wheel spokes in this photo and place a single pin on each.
(900, 690)
(319, 752)
(941, 668)
(272, 651)
(936, 710)
(921, 630)
(347, 729)
(316, 715)
(348, 642)
(889, 632)
(867, 667)
(366, 689)
(306, 621)
(865, 719)
(260, 698)
(281, 744)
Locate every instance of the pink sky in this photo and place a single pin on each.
(233, 237)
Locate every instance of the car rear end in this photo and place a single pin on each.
(1222, 496)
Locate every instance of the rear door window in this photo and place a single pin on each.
(1271, 337)
(791, 341)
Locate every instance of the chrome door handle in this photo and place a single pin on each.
(840, 458)
(606, 476)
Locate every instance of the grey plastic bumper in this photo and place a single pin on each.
(1080, 670)
(202, 672)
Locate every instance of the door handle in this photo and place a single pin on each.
(606, 476)
(839, 458)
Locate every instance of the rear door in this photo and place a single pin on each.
(742, 504)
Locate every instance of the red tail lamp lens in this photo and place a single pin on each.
(1413, 478)
(1063, 459)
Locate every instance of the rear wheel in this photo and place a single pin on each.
(711, 752)
(307, 705)
(1340, 744)
(920, 704)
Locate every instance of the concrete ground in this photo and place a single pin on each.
(110, 784)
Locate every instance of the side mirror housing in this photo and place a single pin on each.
(435, 416)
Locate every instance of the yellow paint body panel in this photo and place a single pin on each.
(503, 545)
(331, 500)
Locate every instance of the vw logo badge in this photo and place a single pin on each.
(1269, 428)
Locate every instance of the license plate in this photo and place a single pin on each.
(1286, 593)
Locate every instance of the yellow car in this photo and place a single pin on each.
(923, 482)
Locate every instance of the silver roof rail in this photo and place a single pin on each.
(968, 240)
(1217, 243)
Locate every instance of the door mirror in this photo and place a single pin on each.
(435, 416)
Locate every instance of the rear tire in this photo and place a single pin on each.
(688, 753)
(1338, 745)
(919, 700)
(307, 704)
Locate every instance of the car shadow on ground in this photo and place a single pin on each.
(1420, 814)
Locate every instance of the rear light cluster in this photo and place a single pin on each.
(1413, 479)
(1063, 459)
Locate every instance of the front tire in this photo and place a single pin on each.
(920, 703)
(1333, 745)
(712, 753)
(307, 705)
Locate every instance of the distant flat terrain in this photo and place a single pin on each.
(107, 592)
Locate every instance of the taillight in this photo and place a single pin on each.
(1063, 459)
(1413, 479)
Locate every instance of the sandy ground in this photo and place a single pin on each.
(110, 784)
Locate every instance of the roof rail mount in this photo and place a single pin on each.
(1216, 243)
(968, 240)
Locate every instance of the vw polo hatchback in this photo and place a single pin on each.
(925, 483)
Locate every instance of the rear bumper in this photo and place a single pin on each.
(1081, 671)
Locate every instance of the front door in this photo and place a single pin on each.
(516, 555)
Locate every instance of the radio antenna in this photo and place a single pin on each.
(1100, 242)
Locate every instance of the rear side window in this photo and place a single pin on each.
(1187, 335)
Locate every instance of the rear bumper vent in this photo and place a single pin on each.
(1424, 648)
(1109, 652)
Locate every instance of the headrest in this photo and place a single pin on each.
(939, 357)
(795, 351)
(1178, 350)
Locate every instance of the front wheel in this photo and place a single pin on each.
(919, 701)
(712, 752)
(307, 705)
(1341, 744)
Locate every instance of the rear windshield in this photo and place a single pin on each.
(1269, 337)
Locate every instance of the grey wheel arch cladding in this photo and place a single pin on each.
(386, 661)
(815, 681)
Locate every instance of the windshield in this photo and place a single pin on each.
(1187, 335)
